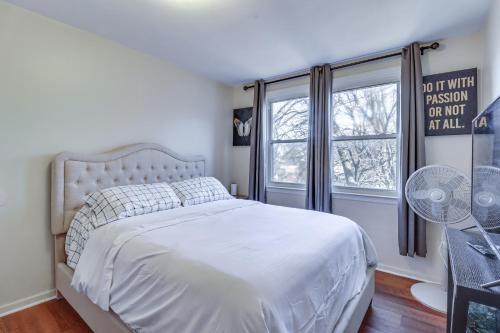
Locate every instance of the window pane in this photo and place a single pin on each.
(289, 162)
(290, 119)
(365, 163)
(365, 111)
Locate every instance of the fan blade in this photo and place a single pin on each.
(460, 204)
(446, 210)
(480, 213)
(490, 218)
(487, 186)
(454, 182)
(420, 195)
(423, 183)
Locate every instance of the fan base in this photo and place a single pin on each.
(431, 295)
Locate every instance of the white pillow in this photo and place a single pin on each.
(119, 202)
(199, 190)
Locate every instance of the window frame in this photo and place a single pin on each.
(270, 142)
(353, 190)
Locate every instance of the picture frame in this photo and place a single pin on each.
(242, 126)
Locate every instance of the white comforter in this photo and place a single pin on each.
(226, 266)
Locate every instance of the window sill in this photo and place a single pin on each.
(371, 198)
(286, 190)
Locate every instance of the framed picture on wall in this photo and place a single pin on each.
(242, 126)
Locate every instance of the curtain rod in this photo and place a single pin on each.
(432, 46)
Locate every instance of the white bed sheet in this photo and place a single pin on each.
(226, 266)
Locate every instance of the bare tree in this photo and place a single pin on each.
(290, 121)
(359, 161)
(364, 162)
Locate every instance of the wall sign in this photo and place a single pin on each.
(450, 101)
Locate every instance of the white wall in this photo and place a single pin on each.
(492, 45)
(379, 218)
(62, 89)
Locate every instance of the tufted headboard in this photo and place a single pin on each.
(75, 175)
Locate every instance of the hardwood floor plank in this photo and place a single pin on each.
(12, 322)
(3, 327)
(66, 316)
(407, 304)
(398, 294)
(411, 324)
(394, 310)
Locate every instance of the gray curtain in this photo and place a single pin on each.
(318, 143)
(256, 186)
(412, 239)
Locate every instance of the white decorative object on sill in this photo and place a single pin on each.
(234, 189)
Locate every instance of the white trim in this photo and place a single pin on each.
(364, 137)
(379, 199)
(49, 295)
(372, 192)
(281, 96)
(286, 190)
(404, 273)
(368, 75)
(291, 91)
(358, 85)
(27, 302)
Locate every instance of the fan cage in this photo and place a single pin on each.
(453, 183)
(486, 180)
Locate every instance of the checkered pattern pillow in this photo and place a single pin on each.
(199, 190)
(119, 202)
(78, 234)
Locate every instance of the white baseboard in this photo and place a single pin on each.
(48, 295)
(27, 302)
(404, 273)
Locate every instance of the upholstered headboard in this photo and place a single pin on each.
(76, 175)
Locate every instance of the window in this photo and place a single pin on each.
(289, 128)
(364, 139)
(364, 133)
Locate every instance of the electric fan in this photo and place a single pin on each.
(439, 194)
(486, 197)
(442, 194)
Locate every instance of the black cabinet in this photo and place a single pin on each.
(467, 270)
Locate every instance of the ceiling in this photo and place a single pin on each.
(236, 41)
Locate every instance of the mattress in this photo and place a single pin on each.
(226, 266)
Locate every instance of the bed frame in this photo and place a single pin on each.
(75, 175)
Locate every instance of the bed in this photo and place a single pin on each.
(74, 176)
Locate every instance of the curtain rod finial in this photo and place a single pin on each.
(435, 45)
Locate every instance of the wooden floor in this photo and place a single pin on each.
(393, 310)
